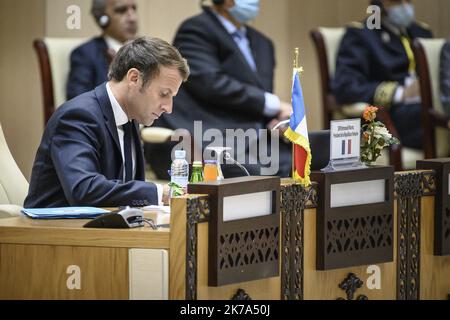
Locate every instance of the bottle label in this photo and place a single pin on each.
(181, 181)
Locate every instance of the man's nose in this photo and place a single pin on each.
(167, 107)
(132, 15)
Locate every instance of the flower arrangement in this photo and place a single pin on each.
(375, 136)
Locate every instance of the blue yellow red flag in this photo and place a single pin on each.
(297, 133)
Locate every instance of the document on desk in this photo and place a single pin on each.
(161, 209)
(159, 214)
(64, 213)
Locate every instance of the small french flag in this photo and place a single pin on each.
(346, 147)
(297, 133)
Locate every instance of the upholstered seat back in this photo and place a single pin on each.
(13, 185)
(59, 50)
(432, 49)
(332, 38)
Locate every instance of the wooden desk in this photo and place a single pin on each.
(59, 259)
(42, 259)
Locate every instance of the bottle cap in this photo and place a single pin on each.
(180, 154)
(197, 164)
(211, 161)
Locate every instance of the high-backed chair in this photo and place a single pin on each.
(436, 123)
(54, 62)
(327, 42)
(13, 185)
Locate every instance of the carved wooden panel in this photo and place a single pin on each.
(441, 168)
(294, 200)
(354, 235)
(245, 249)
(249, 247)
(408, 187)
(197, 211)
(359, 233)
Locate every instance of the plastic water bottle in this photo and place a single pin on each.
(180, 169)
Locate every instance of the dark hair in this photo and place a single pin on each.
(98, 8)
(147, 55)
(378, 3)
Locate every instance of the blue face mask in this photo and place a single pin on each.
(401, 15)
(245, 10)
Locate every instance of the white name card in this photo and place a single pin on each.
(356, 193)
(345, 139)
(246, 206)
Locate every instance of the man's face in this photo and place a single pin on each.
(147, 104)
(123, 19)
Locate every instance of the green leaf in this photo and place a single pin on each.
(177, 190)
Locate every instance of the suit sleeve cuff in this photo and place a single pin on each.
(159, 188)
(384, 93)
(272, 105)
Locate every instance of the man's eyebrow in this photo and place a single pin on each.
(123, 8)
(170, 90)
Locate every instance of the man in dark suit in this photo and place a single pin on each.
(231, 82)
(445, 76)
(90, 153)
(377, 66)
(89, 62)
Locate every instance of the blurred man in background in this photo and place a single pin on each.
(377, 66)
(231, 84)
(89, 63)
(445, 77)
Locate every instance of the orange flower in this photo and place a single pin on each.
(366, 136)
(370, 113)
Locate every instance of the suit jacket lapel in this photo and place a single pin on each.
(256, 52)
(105, 105)
(228, 38)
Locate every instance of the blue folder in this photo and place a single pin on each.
(64, 213)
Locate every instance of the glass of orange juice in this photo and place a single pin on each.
(210, 171)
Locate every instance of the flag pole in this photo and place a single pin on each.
(296, 54)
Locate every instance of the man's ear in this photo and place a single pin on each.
(228, 4)
(133, 77)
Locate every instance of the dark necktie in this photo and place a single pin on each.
(110, 54)
(127, 141)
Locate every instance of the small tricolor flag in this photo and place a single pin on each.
(347, 147)
(297, 133)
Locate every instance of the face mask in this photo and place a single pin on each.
(245, 10)
(401, 15)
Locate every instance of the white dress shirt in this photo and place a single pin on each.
(121, 118)
(113, 43)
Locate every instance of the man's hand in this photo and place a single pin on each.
(411, 91)
(166, 195)
(275, 122)
(285, 111)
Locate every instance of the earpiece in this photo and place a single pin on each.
(103, 21)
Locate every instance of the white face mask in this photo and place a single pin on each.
(245, 10)
(401, 15)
